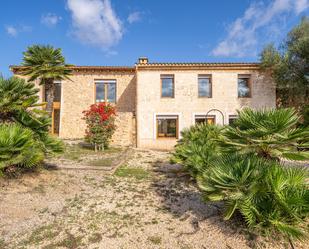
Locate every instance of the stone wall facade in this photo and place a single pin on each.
(79, 93)
(186, 103)
(139, 99)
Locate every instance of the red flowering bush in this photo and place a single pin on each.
(100, 120)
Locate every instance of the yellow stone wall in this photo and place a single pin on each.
(187, 103)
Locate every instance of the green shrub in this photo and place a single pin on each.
(268, 133)
(198, 147)
(25, 138)
(272, 198)
(18, 147)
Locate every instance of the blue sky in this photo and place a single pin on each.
(117, 32)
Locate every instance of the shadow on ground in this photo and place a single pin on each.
(181, 197)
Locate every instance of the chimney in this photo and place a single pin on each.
(142, 60)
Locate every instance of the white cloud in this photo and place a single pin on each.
(50, 19)
(11, 30)
(301, 5)
(15, 30)
(259, 19)
(95, 22)
(134, 17)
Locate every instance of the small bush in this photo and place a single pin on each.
(18, 147)
(273, 199)
(197, 147)
(100, 120)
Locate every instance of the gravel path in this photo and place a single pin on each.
(146, 203)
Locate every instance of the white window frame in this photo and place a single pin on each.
(167, 114)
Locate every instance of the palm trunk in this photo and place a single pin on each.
(49, 95)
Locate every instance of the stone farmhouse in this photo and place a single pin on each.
(155, 101)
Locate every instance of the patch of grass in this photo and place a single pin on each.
(77, 151)
(103, 162)
(2, 243)
(77, 202)
(70, 241)
(156, 240)
(95, 238)
(132, 172)
(42, 233)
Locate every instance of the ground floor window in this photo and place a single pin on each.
(232, 119)
(208, 119)
(167, 126)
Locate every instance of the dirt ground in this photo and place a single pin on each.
(145, 203)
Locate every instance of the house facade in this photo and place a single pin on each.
(155, 101)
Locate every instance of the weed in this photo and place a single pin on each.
(39, 189)
(70, 241)
(44, 232)
(95, 238)
(155, 240)
(2, 243)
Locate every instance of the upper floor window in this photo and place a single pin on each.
(167, 86)
(204, 86)
(105, 91)
(244, 86)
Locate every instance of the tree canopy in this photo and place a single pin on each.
(289, 66)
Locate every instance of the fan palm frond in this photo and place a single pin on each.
(270, 133)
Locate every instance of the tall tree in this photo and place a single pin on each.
(47, 64)
(289, 66)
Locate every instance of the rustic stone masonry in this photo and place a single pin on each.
(139, 97)
(79, 93)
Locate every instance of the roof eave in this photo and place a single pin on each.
(15, 68)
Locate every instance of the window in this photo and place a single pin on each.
(105, 91)
(57, 92)
(167, 86)
(244, 86)
(209, 119)
(232, 119)
(204, 86)
(167, 126)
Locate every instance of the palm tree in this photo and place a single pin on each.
(47, 64)
(273, 199)
(268, 133)
(16, 95)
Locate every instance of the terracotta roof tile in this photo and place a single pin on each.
(199, 66)
(103, 68)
